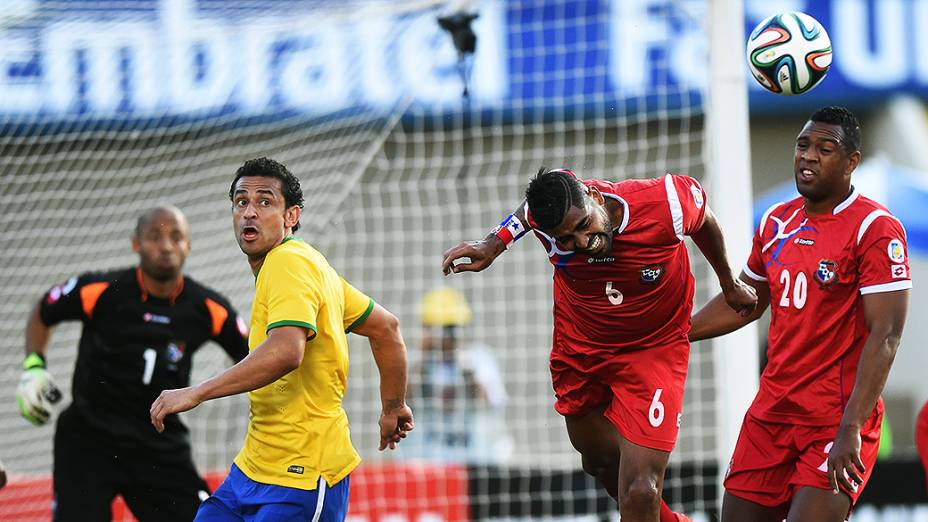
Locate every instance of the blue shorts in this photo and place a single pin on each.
(240, 498)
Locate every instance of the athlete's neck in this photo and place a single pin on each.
(616, 211)
(161, 289)
(256, 263)
(827, 205)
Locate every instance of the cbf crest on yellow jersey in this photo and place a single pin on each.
(298, 430)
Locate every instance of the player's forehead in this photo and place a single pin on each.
(253, 185)
(163, 220)
(573, 218)
(815, 131)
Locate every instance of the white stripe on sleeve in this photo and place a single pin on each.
(895, 286)
(750, 273)
(871, 217)
(676, 210)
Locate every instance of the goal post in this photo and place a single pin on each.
(728, 175)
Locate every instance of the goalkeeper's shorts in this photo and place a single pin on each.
(239, 496)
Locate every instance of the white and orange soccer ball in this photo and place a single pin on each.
(789, 53)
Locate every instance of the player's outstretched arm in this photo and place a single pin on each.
(717, 317)
(278, 355)
(740, 297)
(382, 329)
(37, 391)
(482, 253)
(885, 315)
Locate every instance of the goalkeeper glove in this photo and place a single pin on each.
(37, 391)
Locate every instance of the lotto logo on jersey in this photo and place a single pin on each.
(899, 271)
(896, 251)
(827, 272)
(697, 196)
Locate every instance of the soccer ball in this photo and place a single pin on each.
(789, 53)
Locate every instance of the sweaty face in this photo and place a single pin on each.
(162, 245)
(822, 166)
(586, 230)
(260, 217)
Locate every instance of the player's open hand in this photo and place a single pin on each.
(395, 423)
(845, 468)
(173, 401)
(481, 254)
(741, 297)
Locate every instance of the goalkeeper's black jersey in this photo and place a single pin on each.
(134, 345)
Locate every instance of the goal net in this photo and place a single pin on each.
(108, 108)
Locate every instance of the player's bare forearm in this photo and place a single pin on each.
(37, 333)
(278, 355)
(382, 329)
(885, 315)
(717, 318)
(711, 242)
(481, 253)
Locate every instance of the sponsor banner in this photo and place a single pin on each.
(118, 60)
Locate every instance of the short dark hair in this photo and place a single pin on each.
(833, 115)
(550, 194)
(268, 168)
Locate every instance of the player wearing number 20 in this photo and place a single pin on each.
(833, 267)
(141, 327)
(623, 292)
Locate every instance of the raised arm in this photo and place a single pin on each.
(708, 237)
(278, 355)
(885, 316)
(382, 329)
(482, 252)
(717, 318)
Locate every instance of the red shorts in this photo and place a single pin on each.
(643, 390)
(773, 460)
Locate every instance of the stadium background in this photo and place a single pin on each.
(109, 107)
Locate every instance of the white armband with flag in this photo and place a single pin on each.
(509, 230)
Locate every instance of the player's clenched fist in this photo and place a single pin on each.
(37, 392)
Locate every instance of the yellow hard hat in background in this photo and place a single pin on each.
(445, 307)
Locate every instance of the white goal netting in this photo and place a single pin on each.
(112, 107)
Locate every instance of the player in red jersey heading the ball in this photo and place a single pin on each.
(623, 293)
(833, 266)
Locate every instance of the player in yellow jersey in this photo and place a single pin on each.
(297, 455)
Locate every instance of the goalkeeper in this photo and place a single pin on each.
(141, 326)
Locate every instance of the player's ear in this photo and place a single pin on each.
(136, 243)
(292, 216)
(596, 195)
(853, 160)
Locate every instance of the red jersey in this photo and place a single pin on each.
(640, 295)
(818, 267)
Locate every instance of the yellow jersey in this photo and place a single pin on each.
(298, 430)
